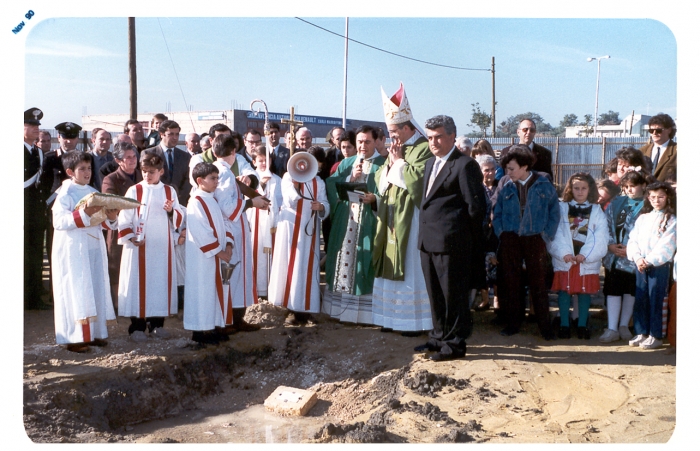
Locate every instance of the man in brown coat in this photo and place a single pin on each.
(662, 149)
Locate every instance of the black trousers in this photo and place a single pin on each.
(447, 282)
(34, 227)
(512, 250)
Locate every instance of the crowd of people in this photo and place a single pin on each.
(416, 234)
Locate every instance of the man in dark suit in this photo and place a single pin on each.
(451, 216)
(177, 161)
(662, 149)
(34, 216)
(526, 132)
(279, 154)
(333, 153)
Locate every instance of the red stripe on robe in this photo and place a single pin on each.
(78, 219)
(86, 332)
(142, 262)
(217, 262)
(168, 196)
(293, 251)
(310, 269)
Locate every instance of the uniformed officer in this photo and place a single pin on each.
(34, 217)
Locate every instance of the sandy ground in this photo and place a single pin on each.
(371, 387)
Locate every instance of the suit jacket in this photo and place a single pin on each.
(667, 162)
(279, 161)
(543, 155)
(180, 176)
(452, 213)
(333, 155)
(53, 174)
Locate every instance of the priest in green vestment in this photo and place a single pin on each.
(349, 270)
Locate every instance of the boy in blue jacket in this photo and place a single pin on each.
(526, 213)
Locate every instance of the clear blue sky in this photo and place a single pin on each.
(77, 64)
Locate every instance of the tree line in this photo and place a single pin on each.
(481, 121)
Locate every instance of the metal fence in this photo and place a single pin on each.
(571, 155)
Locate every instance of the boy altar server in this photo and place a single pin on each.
(148, 275)
(295, 279)
(82, 301)
(263, 223)
(207, 299)
(233, 205)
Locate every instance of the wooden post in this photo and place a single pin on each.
(133, 110)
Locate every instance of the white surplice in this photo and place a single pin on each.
(81, 296)
(295, 277)
(207, 299)
(262, 222)
(148, 273)
(232, 205)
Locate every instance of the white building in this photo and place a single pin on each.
(630, 126)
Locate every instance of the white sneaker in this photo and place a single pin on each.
(637, 340)
(609, 336)
(159, 332)
(651, 343)
(625, 333)
(138, 336)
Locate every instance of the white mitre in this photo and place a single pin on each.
(397, 109)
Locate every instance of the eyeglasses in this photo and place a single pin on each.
(528, 129)
(656, 131)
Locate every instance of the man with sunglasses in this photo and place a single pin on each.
(526, 132)
(662, 149)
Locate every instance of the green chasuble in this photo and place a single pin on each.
(395, 212)
(362, 274)
(208, 157)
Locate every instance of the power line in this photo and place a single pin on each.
(175, 70)
(390, 53)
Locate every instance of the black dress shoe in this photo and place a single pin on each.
(564, 332)
(440, 357)
(426, 347)
(386, 329)
(508, 331)
(583, 333)
(80, 348)
(549, 336)
(412, 333)
(98, 342)
(246, 327)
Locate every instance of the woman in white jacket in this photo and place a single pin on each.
(577, 250)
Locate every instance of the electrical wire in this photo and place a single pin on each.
(387, 51)
(175, 70)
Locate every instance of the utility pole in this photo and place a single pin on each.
(493, 96)
(345, 79)
(133, 110)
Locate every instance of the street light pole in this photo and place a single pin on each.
(597, 85)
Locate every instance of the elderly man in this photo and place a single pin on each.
(177, 161)
(333, 153)
(102, 141)
(34, 219)
(399, 297)
(464, 144)
(192, 144)
(526, 132)
(450, 237)
(662, 149)
(304, 138)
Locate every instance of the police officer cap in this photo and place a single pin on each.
(68, 129)
(32, 116)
